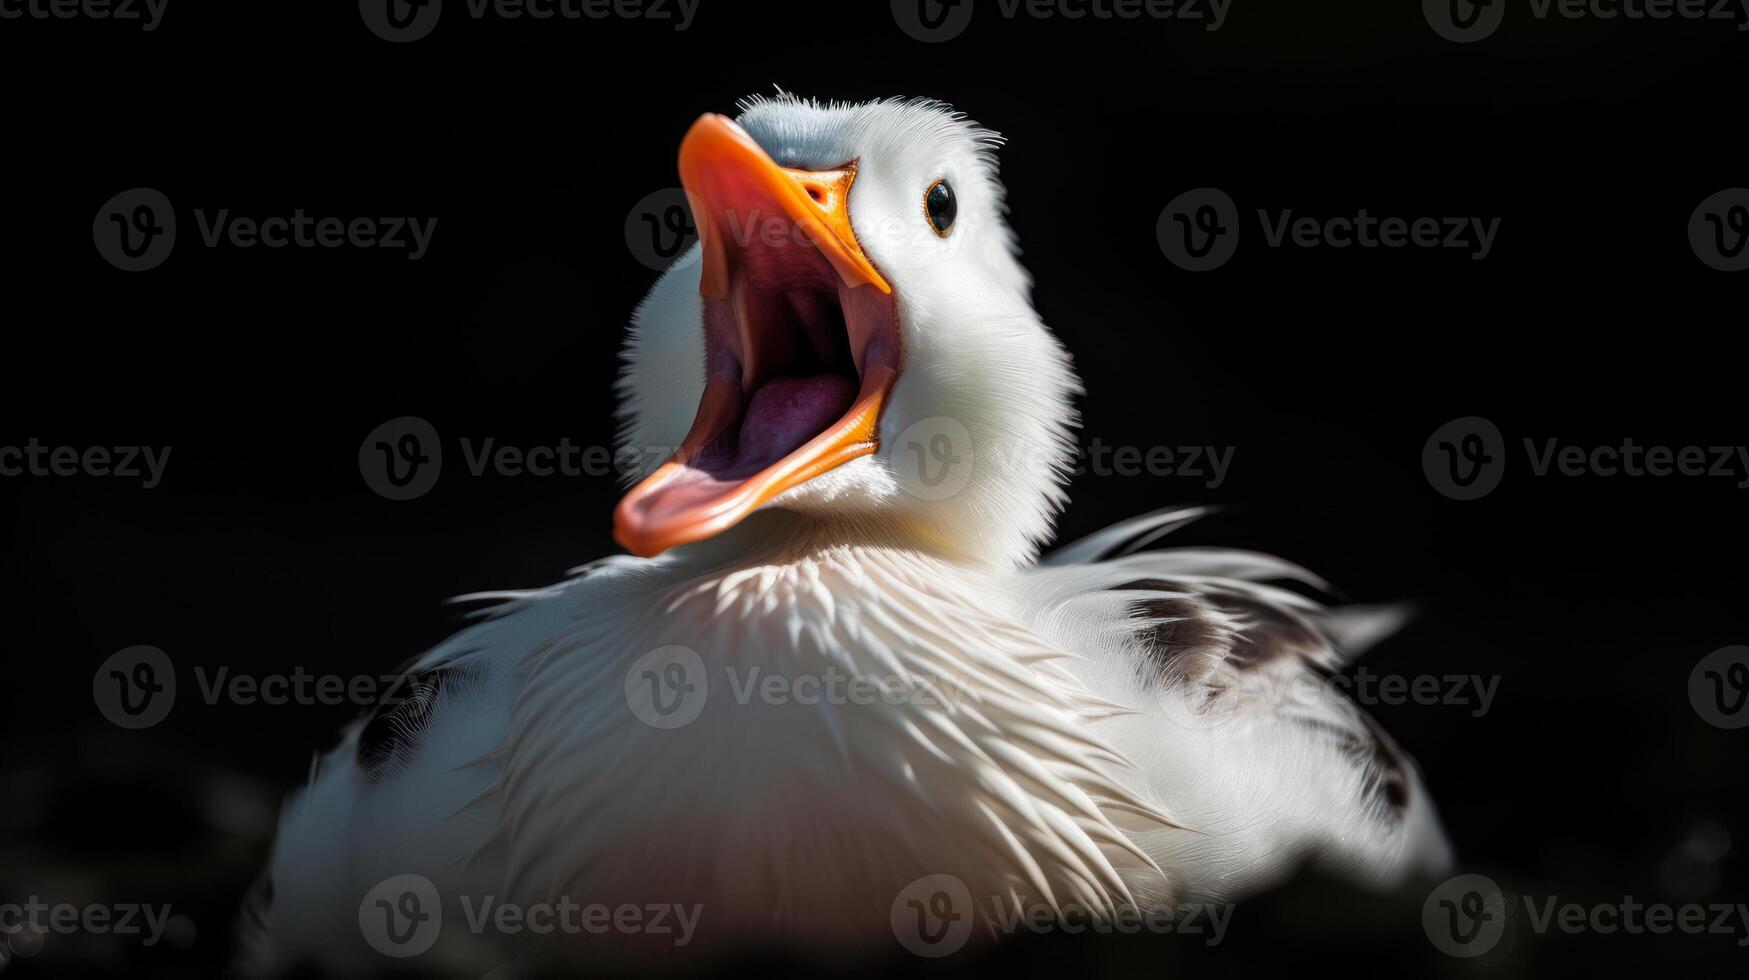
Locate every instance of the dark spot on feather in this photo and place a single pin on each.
(1194, 630)
(1396, 794)
(1392, 769)
(1369, 748)
(1270, 633)
(1182, 641)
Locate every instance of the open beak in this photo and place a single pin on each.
(801, 342)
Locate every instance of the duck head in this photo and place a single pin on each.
(851, 340)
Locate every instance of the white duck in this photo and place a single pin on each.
(1091, 732)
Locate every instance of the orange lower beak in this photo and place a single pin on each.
(801, 339)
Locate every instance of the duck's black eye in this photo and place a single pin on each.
(940, 207)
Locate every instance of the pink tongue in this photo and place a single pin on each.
(787, 412)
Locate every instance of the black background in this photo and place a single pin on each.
(1591, 599)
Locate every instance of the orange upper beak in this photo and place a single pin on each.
(728, 176)
(743, 202)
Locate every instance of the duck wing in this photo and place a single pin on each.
(1239, 724)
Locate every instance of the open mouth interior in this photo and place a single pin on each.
(784, 341)
(801, 342)
(796, 360)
